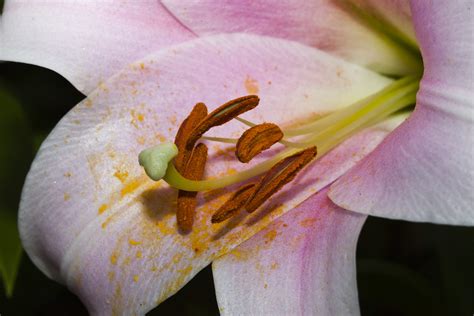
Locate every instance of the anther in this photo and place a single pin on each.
(187, 201)
(257, 139)
(222, 115)
(234, 204)
(190, 163)
(198, 113)
(279, 175)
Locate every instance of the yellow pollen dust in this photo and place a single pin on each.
(102, 208)
(270, 236)
(186, 271)
(251, 85)
(130, 187)
(161, 137)
(137, 117)
(308, 222)
(133, 242)
(111, 275)
(113, 258)
(121, 175)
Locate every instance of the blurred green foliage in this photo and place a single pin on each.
(15, 157)
(403, 268)
(10, 250)
(16, 149)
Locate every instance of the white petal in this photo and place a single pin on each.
(85, 41)
(301, 264)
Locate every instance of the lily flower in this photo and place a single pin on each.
(91, 219)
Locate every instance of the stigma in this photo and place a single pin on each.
(182, 164)
(155, 159)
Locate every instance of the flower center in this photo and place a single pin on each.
(300, 146)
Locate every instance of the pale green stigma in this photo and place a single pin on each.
(155, 159)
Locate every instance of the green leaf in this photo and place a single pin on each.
(16, 150)
(10, 250)
(38, 139)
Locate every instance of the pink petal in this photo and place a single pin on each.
(86, 41)
(424, 171)
(326, 24)
(91, 219)
(301, 264)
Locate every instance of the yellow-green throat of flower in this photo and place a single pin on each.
(182, 163)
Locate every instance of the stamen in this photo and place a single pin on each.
(198, 113)
(222, 115)
(257, 139)
(279, 175)
(191, 163)
(234, 204)
(187, 199)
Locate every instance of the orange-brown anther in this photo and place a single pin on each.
(257, 139)
(279, 175)
(198, 113)
(187, 201)
(234, 204)
(222, 115)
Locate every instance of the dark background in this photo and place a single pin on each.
(403, 268)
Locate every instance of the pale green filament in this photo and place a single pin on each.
(244, 121)
(334, 129)
(221, 139)
(235, 140)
